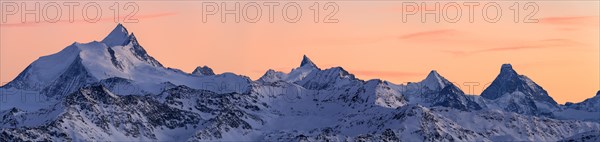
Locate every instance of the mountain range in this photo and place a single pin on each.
(113, 90)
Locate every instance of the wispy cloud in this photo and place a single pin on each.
(156, 15)
(572, 20)
(518, 47)
(429, 34)
(348, 40)
(79, 21)
(342, 41)
(540, 44)
(539, 64)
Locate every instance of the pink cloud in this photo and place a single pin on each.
(573, 20)
(540, 44)
(429, 34)
(518, 47)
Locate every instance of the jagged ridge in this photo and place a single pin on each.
(307, 103)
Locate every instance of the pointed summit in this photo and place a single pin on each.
(507, 81)
(435, 81)
(299, 73)
(118, 36)
(272, 76)
(307, 62)
(433, 73)
(436, 90)
(203, 71)
(523, 95)
(508, 75)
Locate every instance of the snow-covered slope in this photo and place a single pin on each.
(591, 104)
(114, 90)
(436, 90)
(119, 55)
(272, 76)
(591, 136)
(94, 113)
(299, 73)
(517, 93)
(183, 113)
(588, 109)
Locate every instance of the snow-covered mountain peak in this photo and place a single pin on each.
(332, 77)
(435, 81)
(114, 90)
(117, 36)
(272, 76)
(435, 90)
(306, 67)
(203, 71)
(81, 64)
(519, 93)
(508, 81)
(307, 62)
(433, 74)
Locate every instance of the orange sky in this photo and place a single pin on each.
(560, 52)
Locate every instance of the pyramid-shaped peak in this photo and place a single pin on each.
(118, 36)
(307, 62)
(433, 73)
(509, 82)
(435, 81)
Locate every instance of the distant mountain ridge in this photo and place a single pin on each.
(114, 90)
